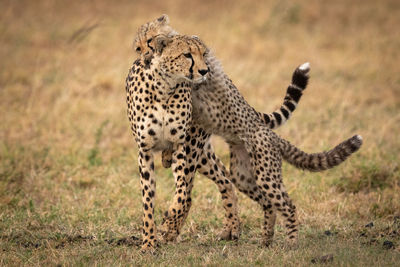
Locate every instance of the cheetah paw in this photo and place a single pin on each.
(229, 234)
(166, 233)
(148, 249)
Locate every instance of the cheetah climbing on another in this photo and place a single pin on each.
(257, 152)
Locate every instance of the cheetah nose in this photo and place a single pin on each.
(203, 72)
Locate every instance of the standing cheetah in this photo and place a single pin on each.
(258, 152)
(159, 110)
(207, 163)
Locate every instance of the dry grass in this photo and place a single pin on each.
(69, 190)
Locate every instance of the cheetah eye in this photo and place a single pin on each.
(149, 41)
(188, 55)
(138, 49)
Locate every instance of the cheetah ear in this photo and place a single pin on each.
(161, 41)
(163, 20)
(198, 39)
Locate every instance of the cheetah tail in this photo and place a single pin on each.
(320, 161)
(293, 94)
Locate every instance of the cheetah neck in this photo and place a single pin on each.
(167, 84)
(162, 82)
(217, 74)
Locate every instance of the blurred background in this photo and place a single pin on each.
(67, 156)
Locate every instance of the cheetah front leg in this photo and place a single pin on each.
(173, 217)
(212, 167)
(148, 186)
(201, 157)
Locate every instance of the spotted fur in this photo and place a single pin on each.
(159, 110)
(144, 47)
(256, 151)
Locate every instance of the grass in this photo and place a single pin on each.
(69, 187)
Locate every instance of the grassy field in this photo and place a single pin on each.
(69, 187)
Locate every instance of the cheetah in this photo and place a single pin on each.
(256, 151)
(159, 111)
(207, 163)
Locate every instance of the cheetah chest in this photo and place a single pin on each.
(162, 119)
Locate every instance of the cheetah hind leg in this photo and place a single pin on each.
(241, 174)
(269, 223)
(269, 180)
(166, 158)
(245, 181)
(292, 223)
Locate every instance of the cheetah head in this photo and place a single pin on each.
(181, 58)
(143, 43)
